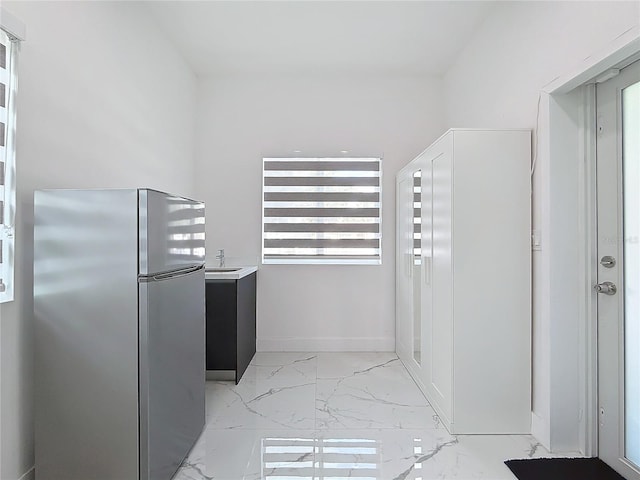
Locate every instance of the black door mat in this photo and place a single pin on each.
(562, 469)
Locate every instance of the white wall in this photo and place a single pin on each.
(496, 82)
(104, 101)
(243, 118)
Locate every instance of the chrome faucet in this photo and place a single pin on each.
(220, 257)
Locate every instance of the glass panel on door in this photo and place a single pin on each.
(416, 265)
(631, 192)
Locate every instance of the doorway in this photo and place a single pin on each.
(618, 270)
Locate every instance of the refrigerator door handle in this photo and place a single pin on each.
(172, 274)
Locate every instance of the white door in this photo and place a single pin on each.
(417, 268)
(438, 318)
(618, 192)
(404, 267)
(426, 252)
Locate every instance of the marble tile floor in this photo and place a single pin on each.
(337, 416)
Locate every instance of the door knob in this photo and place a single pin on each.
(608, 288)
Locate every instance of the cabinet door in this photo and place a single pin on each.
(426, 274)
(246, 324)
(222, 316)
(416, 268)
(404, 257)
(439, 321)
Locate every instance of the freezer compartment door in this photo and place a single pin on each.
(172, 370)
(171, 232)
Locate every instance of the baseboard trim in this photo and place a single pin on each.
(29, 475)
(220, 375)
(326, 344)
(540, 430)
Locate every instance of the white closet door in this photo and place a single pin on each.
(404, 267)
(441, 318)
(426, 291)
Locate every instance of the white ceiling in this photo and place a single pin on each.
(408, 37)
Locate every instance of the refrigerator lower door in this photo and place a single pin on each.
(172, 370)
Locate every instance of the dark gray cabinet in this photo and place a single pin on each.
(231, 324)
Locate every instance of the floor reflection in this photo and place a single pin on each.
(287, 458)
(329, 458)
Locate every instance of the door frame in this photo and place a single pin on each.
(567, 263)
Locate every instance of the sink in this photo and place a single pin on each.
(228, 273)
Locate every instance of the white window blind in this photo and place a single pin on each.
(321, 210)
(8, 86)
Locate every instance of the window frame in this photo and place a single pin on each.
(8, 188)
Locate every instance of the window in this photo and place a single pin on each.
(8, 85)
(321, 210)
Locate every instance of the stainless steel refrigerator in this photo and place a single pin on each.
(119, 333)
